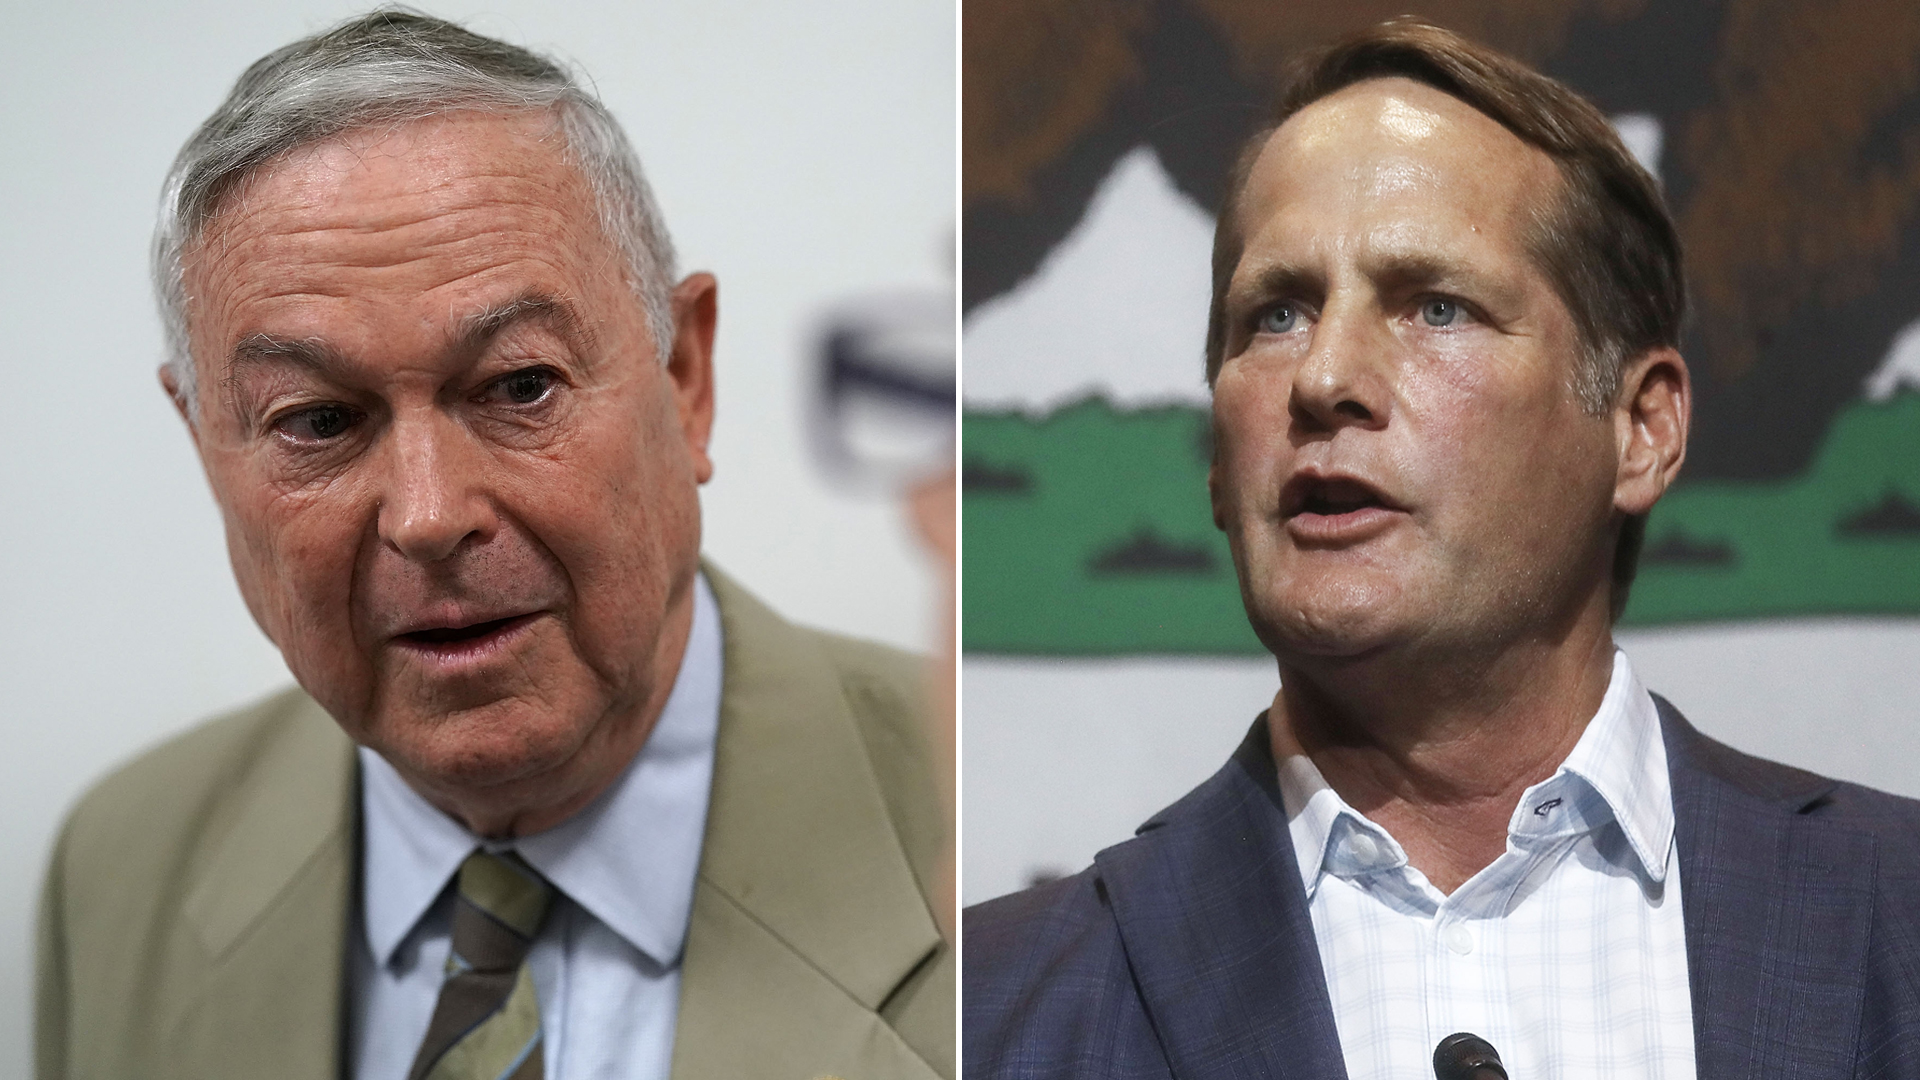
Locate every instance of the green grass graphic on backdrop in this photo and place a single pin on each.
(1088, 532)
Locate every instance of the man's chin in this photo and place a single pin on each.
(479, 750)
(1326, 632)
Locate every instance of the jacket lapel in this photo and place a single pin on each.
(1215, 924)
(1777, 911)
(807, 915)
(263, 925)
(1777, 904)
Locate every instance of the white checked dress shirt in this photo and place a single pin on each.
(606, 966)
(1568, 953)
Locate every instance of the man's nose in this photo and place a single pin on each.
(433, 498)
(1344, 380)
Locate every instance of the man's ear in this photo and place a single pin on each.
(1650, 419)
(696, 313)
(170, 382)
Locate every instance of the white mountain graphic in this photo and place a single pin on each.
(1901, 368)
(1118, 307)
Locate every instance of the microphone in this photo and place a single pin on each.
(1464, 1056)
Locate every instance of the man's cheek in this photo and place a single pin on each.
(1247, 462)
(299, 582)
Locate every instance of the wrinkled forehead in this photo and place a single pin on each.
(371, 178)
(431, 203)
(1396, 141)
(389, 149)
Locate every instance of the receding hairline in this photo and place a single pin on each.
(1263, 143)
(1537, 202)
(215, 224)
(361, 140)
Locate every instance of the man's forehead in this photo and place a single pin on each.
(452, 212)
(378, 175)
(1389, 138)
(1395, 110)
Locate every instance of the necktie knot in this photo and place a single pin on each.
(499, 905)
(506, 889)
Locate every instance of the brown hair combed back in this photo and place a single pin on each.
(1606, 243)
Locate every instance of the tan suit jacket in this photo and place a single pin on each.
(194, 918)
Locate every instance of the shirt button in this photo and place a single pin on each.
(1459, 939)
(1365, 848)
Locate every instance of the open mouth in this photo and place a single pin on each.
(442, 638)
(1328, 497)
(1334, 511)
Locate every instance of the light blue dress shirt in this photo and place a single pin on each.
(1568, 953)
(606, 966)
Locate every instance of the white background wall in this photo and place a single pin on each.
(800, 151)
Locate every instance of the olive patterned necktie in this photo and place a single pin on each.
(486, 1024)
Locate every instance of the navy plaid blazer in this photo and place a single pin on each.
(1187, 951)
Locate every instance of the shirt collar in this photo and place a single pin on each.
(1330, 837)
(1616, 772)
(629, 858)
(1622, 759)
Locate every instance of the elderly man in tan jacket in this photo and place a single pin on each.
(554, 798)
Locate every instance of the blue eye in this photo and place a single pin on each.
(1279, 319)
(1440, 312)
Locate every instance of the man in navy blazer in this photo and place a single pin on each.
(1447, 392)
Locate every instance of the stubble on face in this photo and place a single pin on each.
(1390, 486)
(459, 486)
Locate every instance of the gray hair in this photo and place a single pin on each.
(393, 66)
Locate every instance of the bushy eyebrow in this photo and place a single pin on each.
(315, 355)
(263, 350)
(1389, 271)
(476, 330)
(1402, 272)
(1275, 280)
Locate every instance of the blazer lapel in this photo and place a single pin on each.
(807, 915)
(1777, 904)
(263, 926)
(1215, 924)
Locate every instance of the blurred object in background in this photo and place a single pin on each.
(933, 505)
(884, 421)
(884, 408)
